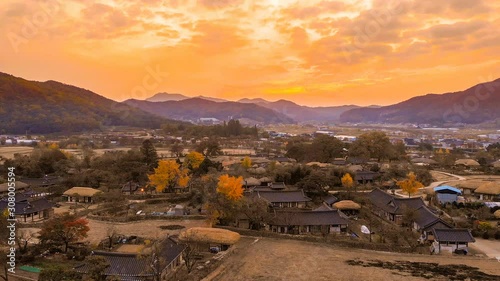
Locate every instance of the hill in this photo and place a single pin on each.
(160, 97)
(195, 108)
(50, 107)
(302, 113)
(478, 104)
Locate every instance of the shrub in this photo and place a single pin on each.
(486, 235)
(475, 233)
(497, 235)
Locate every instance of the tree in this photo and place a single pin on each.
(347, 182)
(177, 149)
(209, 148)
(255, 209)
(410, 185)
(59, 273)
(193, 160)
(63, 230)
(167, 175)
(230, 187)
(246, 162)
(97, 268)
(373, 145)
(149, 153)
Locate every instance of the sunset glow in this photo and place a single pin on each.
(314, 52)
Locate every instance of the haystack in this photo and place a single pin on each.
(467, 162)
(252, 181)
(492, 188)
(209, 235)
(347, 205)
(497, 214)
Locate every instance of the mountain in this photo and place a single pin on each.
(167, 97)
(255, 100)
(50, 107)
(302, 113)
(160, 97)
(195, 108)
(477, 104)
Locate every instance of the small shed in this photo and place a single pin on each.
(450, 240)
(447, 194)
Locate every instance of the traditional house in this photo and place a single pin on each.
(130, 188)
(488, 191)
(314, 222)
(447, 194)
(81, 194)
(449, 240)
(390, 207)
(364, 177)
(27, 209)
(20, 188)
(285, 199)
(127, 266)
(426, 221)
(467, 163)
(347, 207)
(207, 237)
(330, 200)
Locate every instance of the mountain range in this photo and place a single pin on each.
(478, 104)
(195, 108)
(290, 109)
(50, 107)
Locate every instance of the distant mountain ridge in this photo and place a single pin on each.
(478, 104)
(196, 108)
(160, 97)
(51, 107)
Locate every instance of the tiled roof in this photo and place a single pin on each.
(330, 200)
(28, 207)
(453, 235)
(283, 196)
(331, 217)
(130, 266)
(393, 205)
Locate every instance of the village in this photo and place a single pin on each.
(155, 206)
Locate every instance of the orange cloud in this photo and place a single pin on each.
(314, 52)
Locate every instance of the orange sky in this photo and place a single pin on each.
(312, 52)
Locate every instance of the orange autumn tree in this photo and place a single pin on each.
(193, 160)
(347, 182)
(230, 187)
(167, 175)
(410, 185)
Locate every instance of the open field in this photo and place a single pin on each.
(8, 152)
(277, 259)
(147, 229)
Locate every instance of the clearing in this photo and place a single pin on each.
(280, 259)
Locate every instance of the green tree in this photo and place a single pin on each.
(149, 153)
(59, 273)
(97, 268)
(373, 145)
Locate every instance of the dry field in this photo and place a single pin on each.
(273, 259)
(147, 229)
(8, 152)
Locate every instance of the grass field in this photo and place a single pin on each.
(8, 152)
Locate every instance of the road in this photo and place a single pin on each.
(490, 248)
(432, 185)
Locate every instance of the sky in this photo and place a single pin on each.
(314, 52)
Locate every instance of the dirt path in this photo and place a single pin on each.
(491, 248)
(277, 259)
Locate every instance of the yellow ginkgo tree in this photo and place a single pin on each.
(167, 175)
(410, 185)
(193, 160)
(230, 187)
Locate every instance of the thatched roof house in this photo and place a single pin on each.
(488, 190)
(347, 205)
(81, 194)
(209, 235)
(251, 182)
